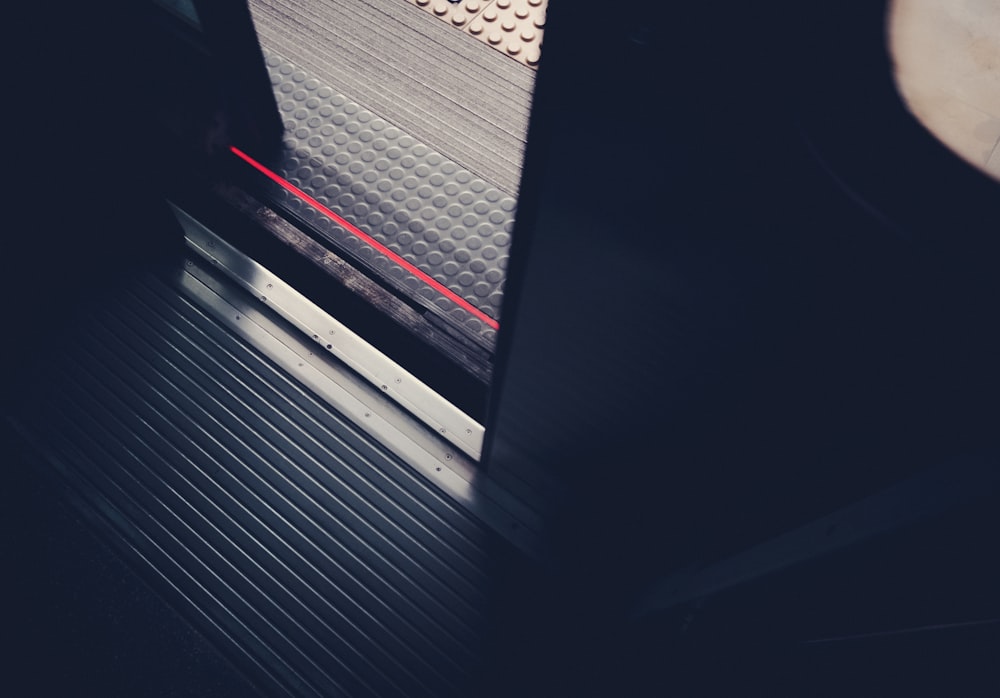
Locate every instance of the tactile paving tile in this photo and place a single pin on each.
(458, 14)
(450, 224)
(513, 27)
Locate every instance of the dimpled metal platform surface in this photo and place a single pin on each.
(436, 215)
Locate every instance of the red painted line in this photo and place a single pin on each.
(430, 281)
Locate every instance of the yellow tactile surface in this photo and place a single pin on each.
(513, 27)
(457, 14)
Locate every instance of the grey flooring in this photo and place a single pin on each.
(443, 87)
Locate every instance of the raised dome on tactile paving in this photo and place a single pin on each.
(513, 27)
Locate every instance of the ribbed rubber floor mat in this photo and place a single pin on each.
(320, 561)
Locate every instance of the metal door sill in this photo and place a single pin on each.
(354, 378)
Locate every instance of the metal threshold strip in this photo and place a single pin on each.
(332, 336)
(405, 415)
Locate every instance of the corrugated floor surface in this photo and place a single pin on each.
(291, 539)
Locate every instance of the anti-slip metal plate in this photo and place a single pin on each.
(307, 548)
(441, 219)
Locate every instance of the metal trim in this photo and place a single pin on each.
(336, 338)
(355, 397)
